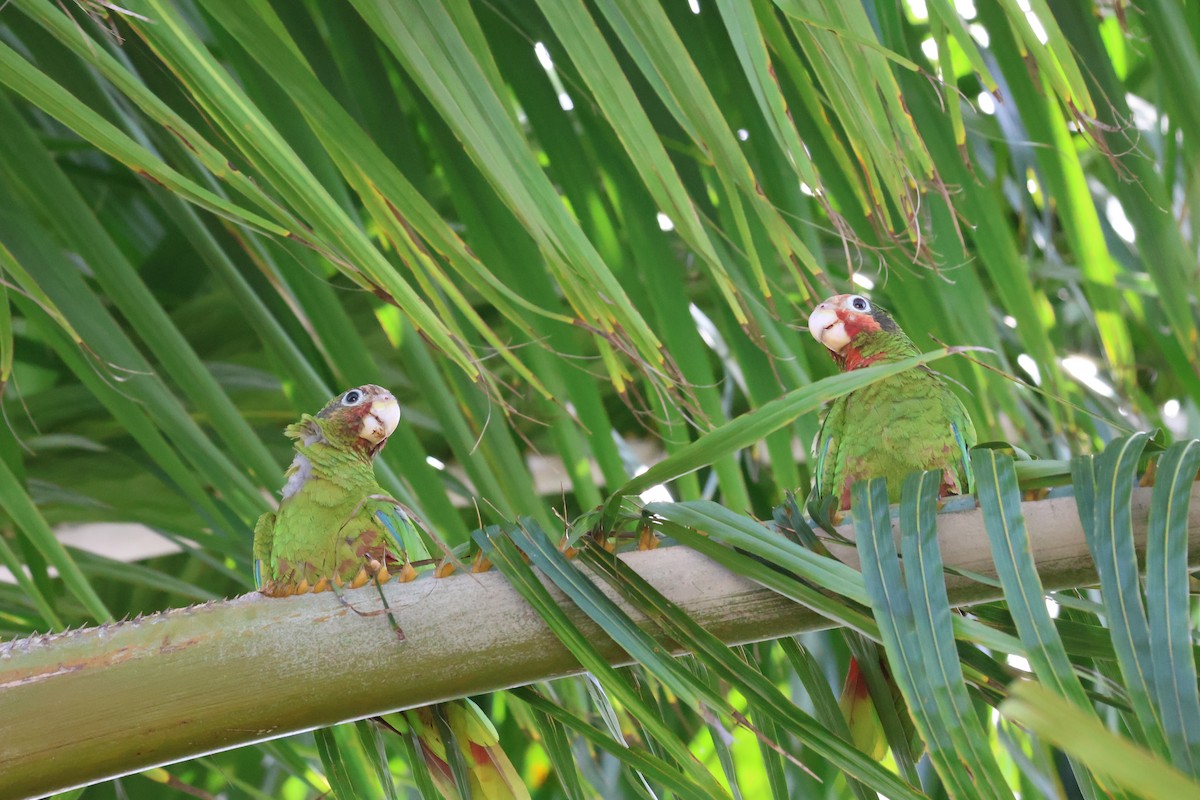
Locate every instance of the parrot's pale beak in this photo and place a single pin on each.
(827, 329)
(381, 420)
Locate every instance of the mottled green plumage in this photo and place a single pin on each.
(335, 526)
(330, 525)
(908, 422)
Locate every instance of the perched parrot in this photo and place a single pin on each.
(336, 528)
(894, 427)
(330, 529)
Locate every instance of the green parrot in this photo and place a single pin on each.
(899, 425)
(894, 427)
(336, 528)
(330, 529)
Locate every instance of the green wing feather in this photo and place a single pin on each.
(826, 447)
(400, 527)
(264, 536)
(965, 456)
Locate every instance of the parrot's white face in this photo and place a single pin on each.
(381, 414)
(376, 409)
(827, 323)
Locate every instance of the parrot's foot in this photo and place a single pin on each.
(378, 571)
(360, 580)
(284, 588)
(1148, 476)
(646, 539)
(605, 540)
(566, 548)
(602, 538)
(272, 589)
(287, 588)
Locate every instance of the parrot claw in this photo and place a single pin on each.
(564, 547)
(360, 579)
(647, 540)
(1148, 476)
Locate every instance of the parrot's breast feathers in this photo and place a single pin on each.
(297, 475)
(307, 433)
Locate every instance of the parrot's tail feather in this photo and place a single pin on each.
(866, 731)
(493, 776)
(856, 685)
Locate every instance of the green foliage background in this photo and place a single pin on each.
(563, 228)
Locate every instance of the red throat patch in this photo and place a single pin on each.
(855, 323)
(850, 358)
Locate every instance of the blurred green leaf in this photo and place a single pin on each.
(1084, 737)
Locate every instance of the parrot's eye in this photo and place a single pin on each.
(352, 398)
(859, 303)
